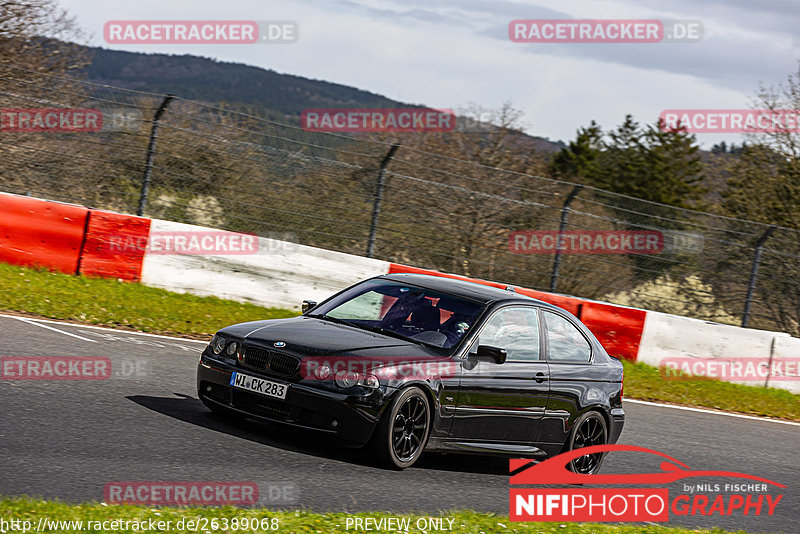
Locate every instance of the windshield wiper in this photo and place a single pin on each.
(382, 330)
(378, 329)
(332, 319)
(398, 335)
(341, 321)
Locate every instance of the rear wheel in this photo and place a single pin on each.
(590, 429)
(401, 434)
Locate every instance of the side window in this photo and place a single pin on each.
(565, 341)
(515, 329)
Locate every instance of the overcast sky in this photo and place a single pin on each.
(454, 53)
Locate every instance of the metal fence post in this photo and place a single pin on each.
(771, 358)
(751, 287)
(151, 148)
(561, 227)
(376, 208)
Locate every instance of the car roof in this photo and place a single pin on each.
(466, 289)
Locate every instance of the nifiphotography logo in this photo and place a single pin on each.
(629, 503)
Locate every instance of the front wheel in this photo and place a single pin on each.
(403, 431)
(590, 429)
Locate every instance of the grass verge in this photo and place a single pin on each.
(34, 510)
(134, 306)
(116, 304)
(645, 382)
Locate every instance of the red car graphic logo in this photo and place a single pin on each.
(555, 471)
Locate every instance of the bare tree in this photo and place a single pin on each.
(40, 36)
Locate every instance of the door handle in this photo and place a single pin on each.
(540, 377)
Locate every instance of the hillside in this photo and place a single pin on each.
(278, 96)
(203, 79)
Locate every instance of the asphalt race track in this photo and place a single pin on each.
(68, 438)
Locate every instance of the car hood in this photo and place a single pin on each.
(310, 336)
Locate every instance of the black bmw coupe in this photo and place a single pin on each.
(404, 363)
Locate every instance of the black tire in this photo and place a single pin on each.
(589, 429)
(402, 432)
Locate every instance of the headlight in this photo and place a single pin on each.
(323, 372)
(371, 382)
(217, 344)
(233, 348)
(348, 379)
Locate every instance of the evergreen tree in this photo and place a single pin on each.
(578, 159)
(649, 163)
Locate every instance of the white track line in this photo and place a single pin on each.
(26, 320)
(712, 412)
(92, 327)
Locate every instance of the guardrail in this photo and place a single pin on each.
(67, 238)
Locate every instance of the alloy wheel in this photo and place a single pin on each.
(591, 431)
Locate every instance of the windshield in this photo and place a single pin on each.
(403, 310)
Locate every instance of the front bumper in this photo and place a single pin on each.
(350, 418)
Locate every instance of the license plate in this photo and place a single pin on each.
(258, 385)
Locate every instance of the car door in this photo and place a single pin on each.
(504, 402)
(569, 356)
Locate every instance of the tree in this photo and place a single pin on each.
(452, 199)
(649, 163)
(764, 186)
(764, 183)
(481, 174)
(673, 164)
(39, 36)
(579, 158)
(35, 55)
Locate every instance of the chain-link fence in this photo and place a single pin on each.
(186, 161)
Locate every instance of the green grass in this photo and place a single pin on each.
(293, 521)
(646, 382)
(134, 306)
(118, 304)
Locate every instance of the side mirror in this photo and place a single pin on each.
(307, 305)
(493, 354)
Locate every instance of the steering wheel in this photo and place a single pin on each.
(452, 337)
